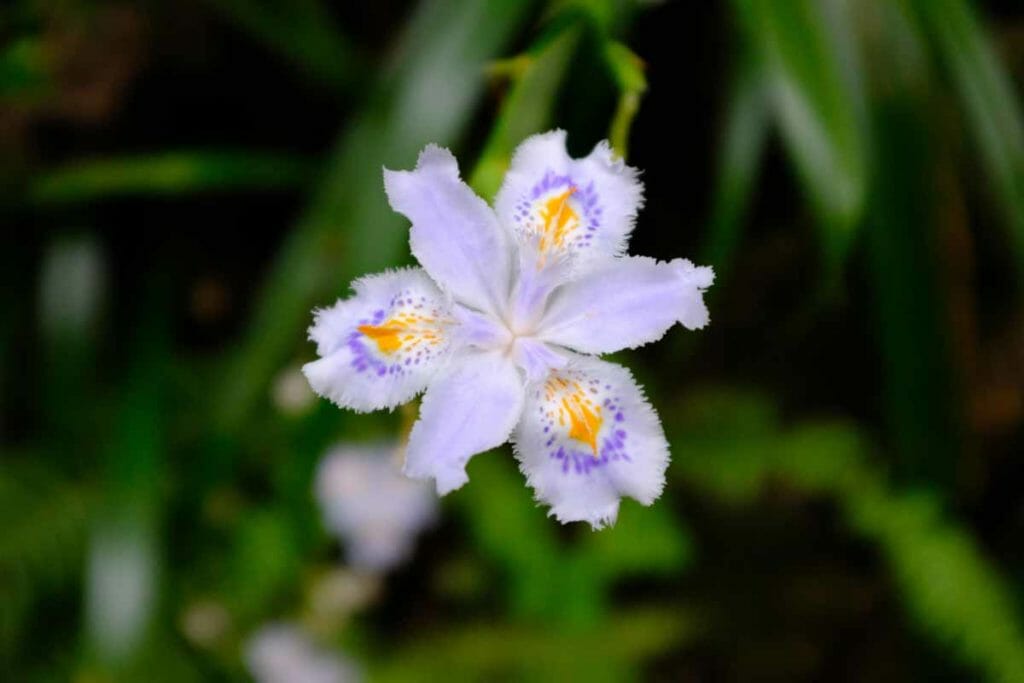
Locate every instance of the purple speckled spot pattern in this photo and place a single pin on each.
(576, 456)
(528, 215)
(422, 340)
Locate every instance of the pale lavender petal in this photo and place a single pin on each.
(382, 346)
(588, 437)
(470, 407)
(585, 208)
(536, 358)
(697, 279)
(625, 303)
(455, 235)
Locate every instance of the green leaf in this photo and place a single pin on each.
(913, 326)
(742, 144)
(987, 92)
(169, 173)
(124, 556)
(806, 50)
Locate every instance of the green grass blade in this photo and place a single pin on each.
(807, 54)
(167, 174)
(743, 141)
(987, 92)
(913, 325)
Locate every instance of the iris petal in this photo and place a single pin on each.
(625, 303)
(583, 208)
(471, 407)
(588, 437)
(455, 235)
(381, 347)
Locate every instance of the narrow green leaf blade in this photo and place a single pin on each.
(986, 89)
(169, 173)
(807, 53)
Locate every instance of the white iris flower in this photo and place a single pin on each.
(502, 326)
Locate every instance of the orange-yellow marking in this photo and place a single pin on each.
(558, 220)
(583, 417)
(392, 334)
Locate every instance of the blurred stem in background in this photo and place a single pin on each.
(46, 511)
(72, 295)
(628, 72)
(122, 578)
(922, 395)
(527, 107)
(910, 209)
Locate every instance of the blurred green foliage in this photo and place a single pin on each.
(736, 446)
(876, 106)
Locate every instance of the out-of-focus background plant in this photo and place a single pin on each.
(182, 182)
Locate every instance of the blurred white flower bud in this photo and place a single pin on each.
(120, 587)
(71, 287)
(291, 393)
(372, 506)
(281, 653)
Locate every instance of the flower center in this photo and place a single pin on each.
(529, 297)
(520, 329)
